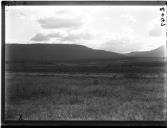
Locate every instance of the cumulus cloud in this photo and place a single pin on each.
(45, 37)
(56, 23)
(69, 37)
(54, 35)
(40, 37)
(76, 37)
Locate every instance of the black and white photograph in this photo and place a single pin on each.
(85, 62)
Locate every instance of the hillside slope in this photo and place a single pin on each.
(158, 52)
(54, 52)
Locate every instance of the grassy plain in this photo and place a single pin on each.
(84, 96)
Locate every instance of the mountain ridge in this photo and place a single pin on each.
(54, 52)
(158, 52)
(61, 52)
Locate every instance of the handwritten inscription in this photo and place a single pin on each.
(162, 9)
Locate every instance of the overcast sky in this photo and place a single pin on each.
(113, 28)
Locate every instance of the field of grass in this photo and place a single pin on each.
(49, 96)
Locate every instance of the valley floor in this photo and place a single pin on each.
(49, 96)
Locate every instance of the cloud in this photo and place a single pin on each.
(46, 37)
(155, 32)
(54, 35)
(121, 45)
(40, 37)
(154, 28)
(76, 37)
(69, 37)
(57, 23)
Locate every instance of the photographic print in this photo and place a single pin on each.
(85, 62)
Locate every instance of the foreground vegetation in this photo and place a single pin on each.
(49, 96)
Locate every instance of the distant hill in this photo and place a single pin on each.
(158, 52)
(54, 52)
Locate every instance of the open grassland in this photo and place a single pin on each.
(126, 65)
(88, 96)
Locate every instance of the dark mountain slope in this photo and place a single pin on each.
(54, 52)
(158, 52)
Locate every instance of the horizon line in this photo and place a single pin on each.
(84, 46)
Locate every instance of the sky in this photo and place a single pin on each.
(119, 29)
